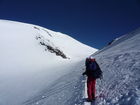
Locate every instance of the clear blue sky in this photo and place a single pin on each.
(93, 22)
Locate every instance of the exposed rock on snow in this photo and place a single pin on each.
(50, 48)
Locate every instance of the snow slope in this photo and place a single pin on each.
(37, 63)
(120, 63)
(42, 67)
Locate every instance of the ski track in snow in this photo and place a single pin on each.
(67, 90)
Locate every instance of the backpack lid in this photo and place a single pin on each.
(91, 59)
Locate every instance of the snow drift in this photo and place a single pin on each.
(32, 58)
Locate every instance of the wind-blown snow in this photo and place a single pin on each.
(27, 67)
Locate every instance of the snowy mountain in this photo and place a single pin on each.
(42, 67)
(120, 63)
(36, 63)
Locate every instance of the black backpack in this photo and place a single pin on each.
(93, 69)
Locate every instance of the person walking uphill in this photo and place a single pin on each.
(93, 72)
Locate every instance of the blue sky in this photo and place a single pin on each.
(93, 22)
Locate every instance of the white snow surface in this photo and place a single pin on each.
(120, 63)
(32, 74)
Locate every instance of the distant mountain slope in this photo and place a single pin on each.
(54, 41)
(120, 62)
(32, 58)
